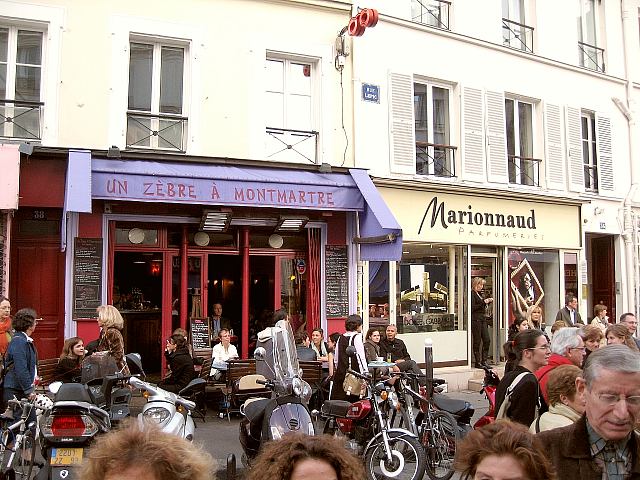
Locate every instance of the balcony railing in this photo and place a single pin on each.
(516, 35)
(156, 131)
(524, 170)
(21, 119)
(591, 178)
(431, 12)
(435, 159)
(292, 145)
(591, 57)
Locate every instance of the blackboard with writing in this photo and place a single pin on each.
(199, 332)
(87, 277)
(337, 281)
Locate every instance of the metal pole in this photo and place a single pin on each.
(244, 333)
(231, 467)
(428, 358)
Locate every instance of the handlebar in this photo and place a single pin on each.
(359, 375)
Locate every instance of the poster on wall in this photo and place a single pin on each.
(87, 277)
(526, 286)
(337, 281)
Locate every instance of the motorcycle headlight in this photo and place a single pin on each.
(296, 383)
(157, 414)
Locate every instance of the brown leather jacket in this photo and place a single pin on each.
(111, 341)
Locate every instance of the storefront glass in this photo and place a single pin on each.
(378, 294)
(571, 274)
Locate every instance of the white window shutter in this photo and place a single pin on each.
(574, 149)
(473, 135)
(553, 145)
(496, 139)
(402, 141)
(605, 157)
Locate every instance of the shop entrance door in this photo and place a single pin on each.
(485, 267)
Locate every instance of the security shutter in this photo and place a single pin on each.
(554, 161)
(496, 139)
(574, 149)
(473, 135)
(402, 141)
(605, 157)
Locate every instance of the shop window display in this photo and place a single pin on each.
(378, 294)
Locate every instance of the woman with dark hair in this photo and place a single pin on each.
(304, 457)
(502, 450)
(180, 363)
(520, 324)
(5, 324)
(20, 359)
(592, 337)
(352, 336)
(529, 350)
(618, 334)
(70, 362)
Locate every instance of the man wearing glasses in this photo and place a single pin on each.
(567, 348)
(602, 444)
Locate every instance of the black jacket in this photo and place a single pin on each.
(396, 348)
(182, 371)
(524, 399)
(68, 370)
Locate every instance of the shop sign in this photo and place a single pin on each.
(370, 93)
(301, 266)
(440, 217)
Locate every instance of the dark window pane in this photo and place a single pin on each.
(140, 71)
(420, 112)
(4, 44)
(171, 80)
(3, 81)
(29, 47)
(28, 84)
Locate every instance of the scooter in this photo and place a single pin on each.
(489, 385)
(287, 411)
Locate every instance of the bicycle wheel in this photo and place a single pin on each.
(408, 460)
(25, 457)
(440, 442)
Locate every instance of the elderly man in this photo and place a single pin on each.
(394, 350)
(602, 444)
(569, 313)
(630, 320)
(567, 348)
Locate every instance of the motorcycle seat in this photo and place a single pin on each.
(335, 408)
(451, 405)
(73, 392)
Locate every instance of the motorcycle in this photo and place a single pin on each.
(287, 410)
(489, 385)
(388, 452)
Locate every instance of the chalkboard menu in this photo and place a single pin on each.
(87, 277)
(337, 281)
(199, 332)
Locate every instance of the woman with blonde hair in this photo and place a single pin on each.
(111, 322)
(70, 361)
(534, 317)
(618, 334)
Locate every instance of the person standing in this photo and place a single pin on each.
(565, 407)
(479, 322)
(630, 320)
(569, 313)
(394, 350)
(5, 324)
(21, 358)
(357, 362)
(602, 444)
(111, 323)
(218, 322)
(600, 317)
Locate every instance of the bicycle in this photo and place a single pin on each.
(17, 441)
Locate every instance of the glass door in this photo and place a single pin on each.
(485, 267)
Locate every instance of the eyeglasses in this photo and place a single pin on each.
(546, 347)
(611, 399)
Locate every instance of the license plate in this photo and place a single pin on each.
(66, 456)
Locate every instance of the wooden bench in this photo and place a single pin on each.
(47, 371)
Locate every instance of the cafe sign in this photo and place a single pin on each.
(443, 217)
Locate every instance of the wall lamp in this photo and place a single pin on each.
(289, 223)
(215, 221)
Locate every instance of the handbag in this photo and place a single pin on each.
(352, 385)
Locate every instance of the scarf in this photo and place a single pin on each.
(5, 334)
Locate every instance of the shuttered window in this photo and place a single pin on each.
(554, 160)
(473, 135)
(402, 141)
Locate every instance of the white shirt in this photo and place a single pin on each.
(219, 354)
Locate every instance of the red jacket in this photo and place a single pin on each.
(542, 374)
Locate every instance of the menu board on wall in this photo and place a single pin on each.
(87, 277)
(337, 281)
(199, 332)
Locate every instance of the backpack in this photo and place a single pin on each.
(506, 403)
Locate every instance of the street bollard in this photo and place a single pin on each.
(428, 363)
(231, 467)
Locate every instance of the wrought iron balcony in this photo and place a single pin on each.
(434, 13)
(21, 119)
(591, 57)
(524, 170)
(288, 145)
(156, 131)
(591, 178)
(435, 159)
(517, 35)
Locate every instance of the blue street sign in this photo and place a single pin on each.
(370, 93)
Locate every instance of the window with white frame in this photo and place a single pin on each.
(20, 82)
(523, 168)
(155, 115)
(515, 32)
(591, 55)
(589, 151)
(431, 12)
(290, 109)
(434, 154)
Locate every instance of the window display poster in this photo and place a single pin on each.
(528, 271)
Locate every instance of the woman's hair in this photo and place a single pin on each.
(110, 317)
(67, 348)
(180, 331)
(557, 325)
(371, 332)
(352, 322)
(475, 281)
(591, 333)
(320, 331)
(24, 319)
(166, 456)
(500, 439)
(621, 331)
(179, 341)
(522, 341)
(599, 308)
(334, 337)
(530, 311)
(280, 314)
(562, 381)
(279, 457)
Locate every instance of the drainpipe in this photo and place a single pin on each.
(629, 35)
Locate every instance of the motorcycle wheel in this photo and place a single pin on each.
(440, 445)
(408, 458)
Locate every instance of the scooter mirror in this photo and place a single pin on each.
(351, 351)
(259, 353)
(54, 387)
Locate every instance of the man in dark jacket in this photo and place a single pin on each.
(603, 440)
(394, 350)
(302, 347)
(180, 362)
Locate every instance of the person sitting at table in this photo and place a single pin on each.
(180, 363)
(303, 350)
(222, 352)
(372, 353)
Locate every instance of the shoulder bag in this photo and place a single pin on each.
(352, 385)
